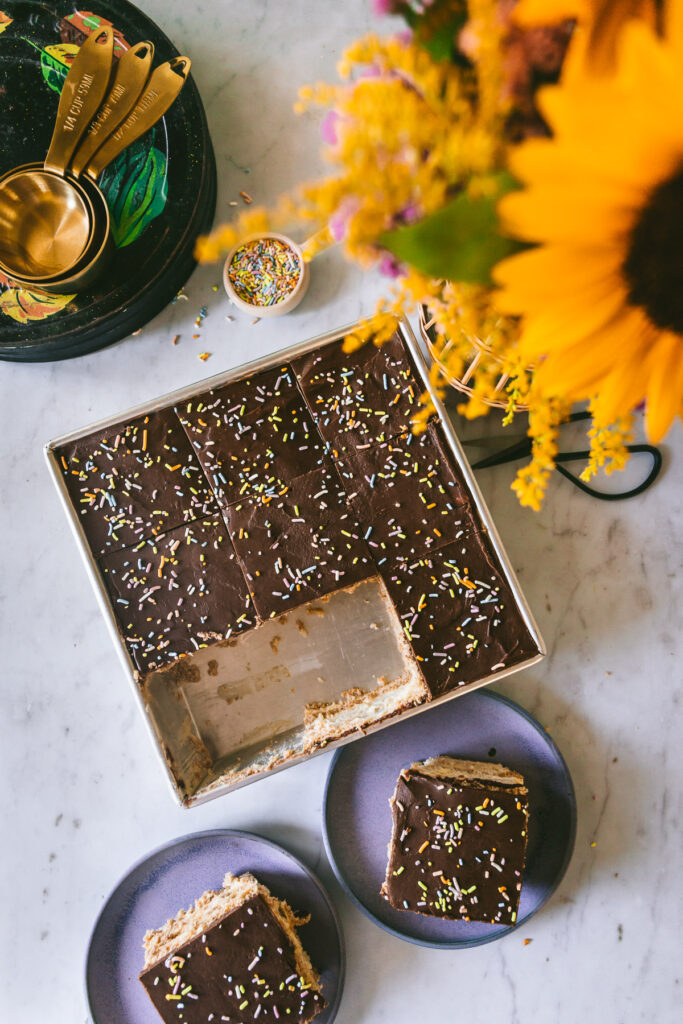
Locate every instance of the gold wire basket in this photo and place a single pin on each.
(464, 382)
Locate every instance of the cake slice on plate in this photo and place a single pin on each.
(459, 840)
(234, 956)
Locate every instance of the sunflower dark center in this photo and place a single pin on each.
(654, 263)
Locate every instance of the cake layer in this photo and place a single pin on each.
(134, 480)
(253, 436)
(299, 546)
(406, 492)
(235, 956)
(458, 613)
(363, 397)
(458, 842)
(178, 592)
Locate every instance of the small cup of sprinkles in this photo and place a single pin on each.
(266, 275)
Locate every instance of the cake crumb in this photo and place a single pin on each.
(212, 667)
(274, 644)
(300, 626)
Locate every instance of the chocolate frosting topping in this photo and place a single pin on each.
(300, 546)
(457, 850)
(177, 592)
(242, 969)
(134, 481)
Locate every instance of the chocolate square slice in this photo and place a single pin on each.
(299, 546)
(175, 593)
(253, 436)
(134, 480)
(406, 492)
(459, 840)
(458, 613)
(234, 956)
(359, 398)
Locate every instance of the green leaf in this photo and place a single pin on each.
(135, 187)
(437, 26)
(460, 242)
(54, 72)
(440, 42)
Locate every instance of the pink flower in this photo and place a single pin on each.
(328, 129)
(389, 266)
(341, 217)
(382, 7)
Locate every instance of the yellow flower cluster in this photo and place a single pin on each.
(386, 167)
(410, 134)
(608, 445)
(210, 248)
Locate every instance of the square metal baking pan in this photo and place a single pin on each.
(234, 711)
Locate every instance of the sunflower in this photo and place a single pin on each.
(599, 22)
(601, 295)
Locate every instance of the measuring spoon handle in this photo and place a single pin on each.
(82, 93)
(130, 76)
(159, 94)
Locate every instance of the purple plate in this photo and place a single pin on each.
(172, 877)
(482, 726)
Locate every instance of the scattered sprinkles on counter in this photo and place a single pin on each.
(203, 312)
(264, 272)
(459, 841)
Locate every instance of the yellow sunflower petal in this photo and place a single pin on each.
(546, 160)
(554, 270)
(570, 325)
(549, 214)
(621, 390)
(665, 388)
(673, 23)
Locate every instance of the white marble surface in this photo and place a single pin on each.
(84, 794)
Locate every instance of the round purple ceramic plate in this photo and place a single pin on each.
(482, 726)
(172, 877)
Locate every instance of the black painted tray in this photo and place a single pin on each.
(161, 192)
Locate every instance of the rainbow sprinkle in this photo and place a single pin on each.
(264, 272)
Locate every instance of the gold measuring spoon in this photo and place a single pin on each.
(130, 77)
(159, 94)
(41, 217)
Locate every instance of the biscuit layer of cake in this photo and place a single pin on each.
(406, 492)
(253, 436)
(177, 592)
(363, 397)
(134, 480)
(459, 840)
(299, 546)
(458, 613)
(234, 956)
